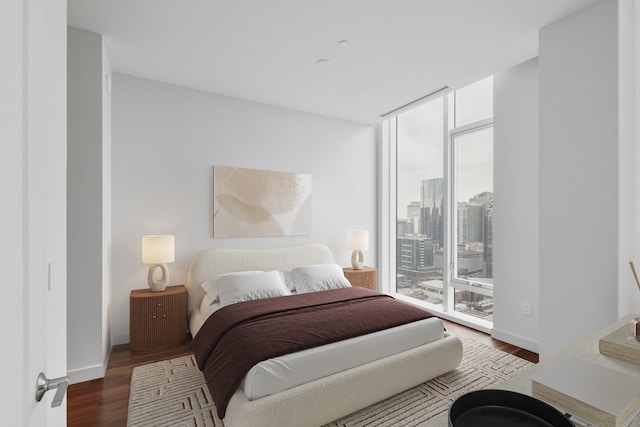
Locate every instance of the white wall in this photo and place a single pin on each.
(166, 140)
(88, 206)
(629, 32)
(515, 235)
(636, 145)
(579, 202)
(106, 77)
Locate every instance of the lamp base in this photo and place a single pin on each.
(635, 328)
(158, 285)
(357, 260)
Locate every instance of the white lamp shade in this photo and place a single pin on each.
(358, 240)
(158, 249)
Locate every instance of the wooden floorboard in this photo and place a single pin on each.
(104, 402)
(491, 342)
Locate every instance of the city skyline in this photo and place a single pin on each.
(421, 253)
(416, 204)
(421, 140)
(427, 143)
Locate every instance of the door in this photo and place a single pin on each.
(32, 207)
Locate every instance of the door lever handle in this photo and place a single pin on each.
(43, 385)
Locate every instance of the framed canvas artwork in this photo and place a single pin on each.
(260, 203)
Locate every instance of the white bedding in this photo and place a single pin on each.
(281, 373)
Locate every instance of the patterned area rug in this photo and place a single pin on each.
(173, 392)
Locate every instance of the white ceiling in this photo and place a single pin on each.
(266, 50)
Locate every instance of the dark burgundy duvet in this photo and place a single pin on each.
(238, 336)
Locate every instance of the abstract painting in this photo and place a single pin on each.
(260, 203)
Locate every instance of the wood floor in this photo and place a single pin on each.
(104, 402)
(486, 339)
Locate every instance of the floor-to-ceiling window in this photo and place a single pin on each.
(419, 196)
(442, 150)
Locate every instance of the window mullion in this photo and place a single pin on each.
(447, 272)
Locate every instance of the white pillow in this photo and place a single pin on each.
(289, 279)
(207, 307)
(249, 285)
(211, 289)
(321, 277)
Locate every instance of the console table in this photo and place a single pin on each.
(586, 349)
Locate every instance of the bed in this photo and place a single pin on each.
(325, 396)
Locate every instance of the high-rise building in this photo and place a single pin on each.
(414, 257)
(475, 229)
(470, 223)
(413, 213)
(488, 241)
(431, 204)
(485, 199)
(404, 227)
(432, 193)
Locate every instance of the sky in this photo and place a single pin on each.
(421, 150)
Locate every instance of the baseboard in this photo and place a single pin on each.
(89, 373)
(514, 339)
(119, 339)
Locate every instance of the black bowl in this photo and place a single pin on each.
(503, 408)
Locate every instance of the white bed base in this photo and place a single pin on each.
(326, 399)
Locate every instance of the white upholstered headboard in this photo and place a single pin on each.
(212, 262)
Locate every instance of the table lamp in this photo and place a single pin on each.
(357, 241)
(157, 250)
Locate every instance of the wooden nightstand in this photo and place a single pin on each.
(367, 277)
(158, 320)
